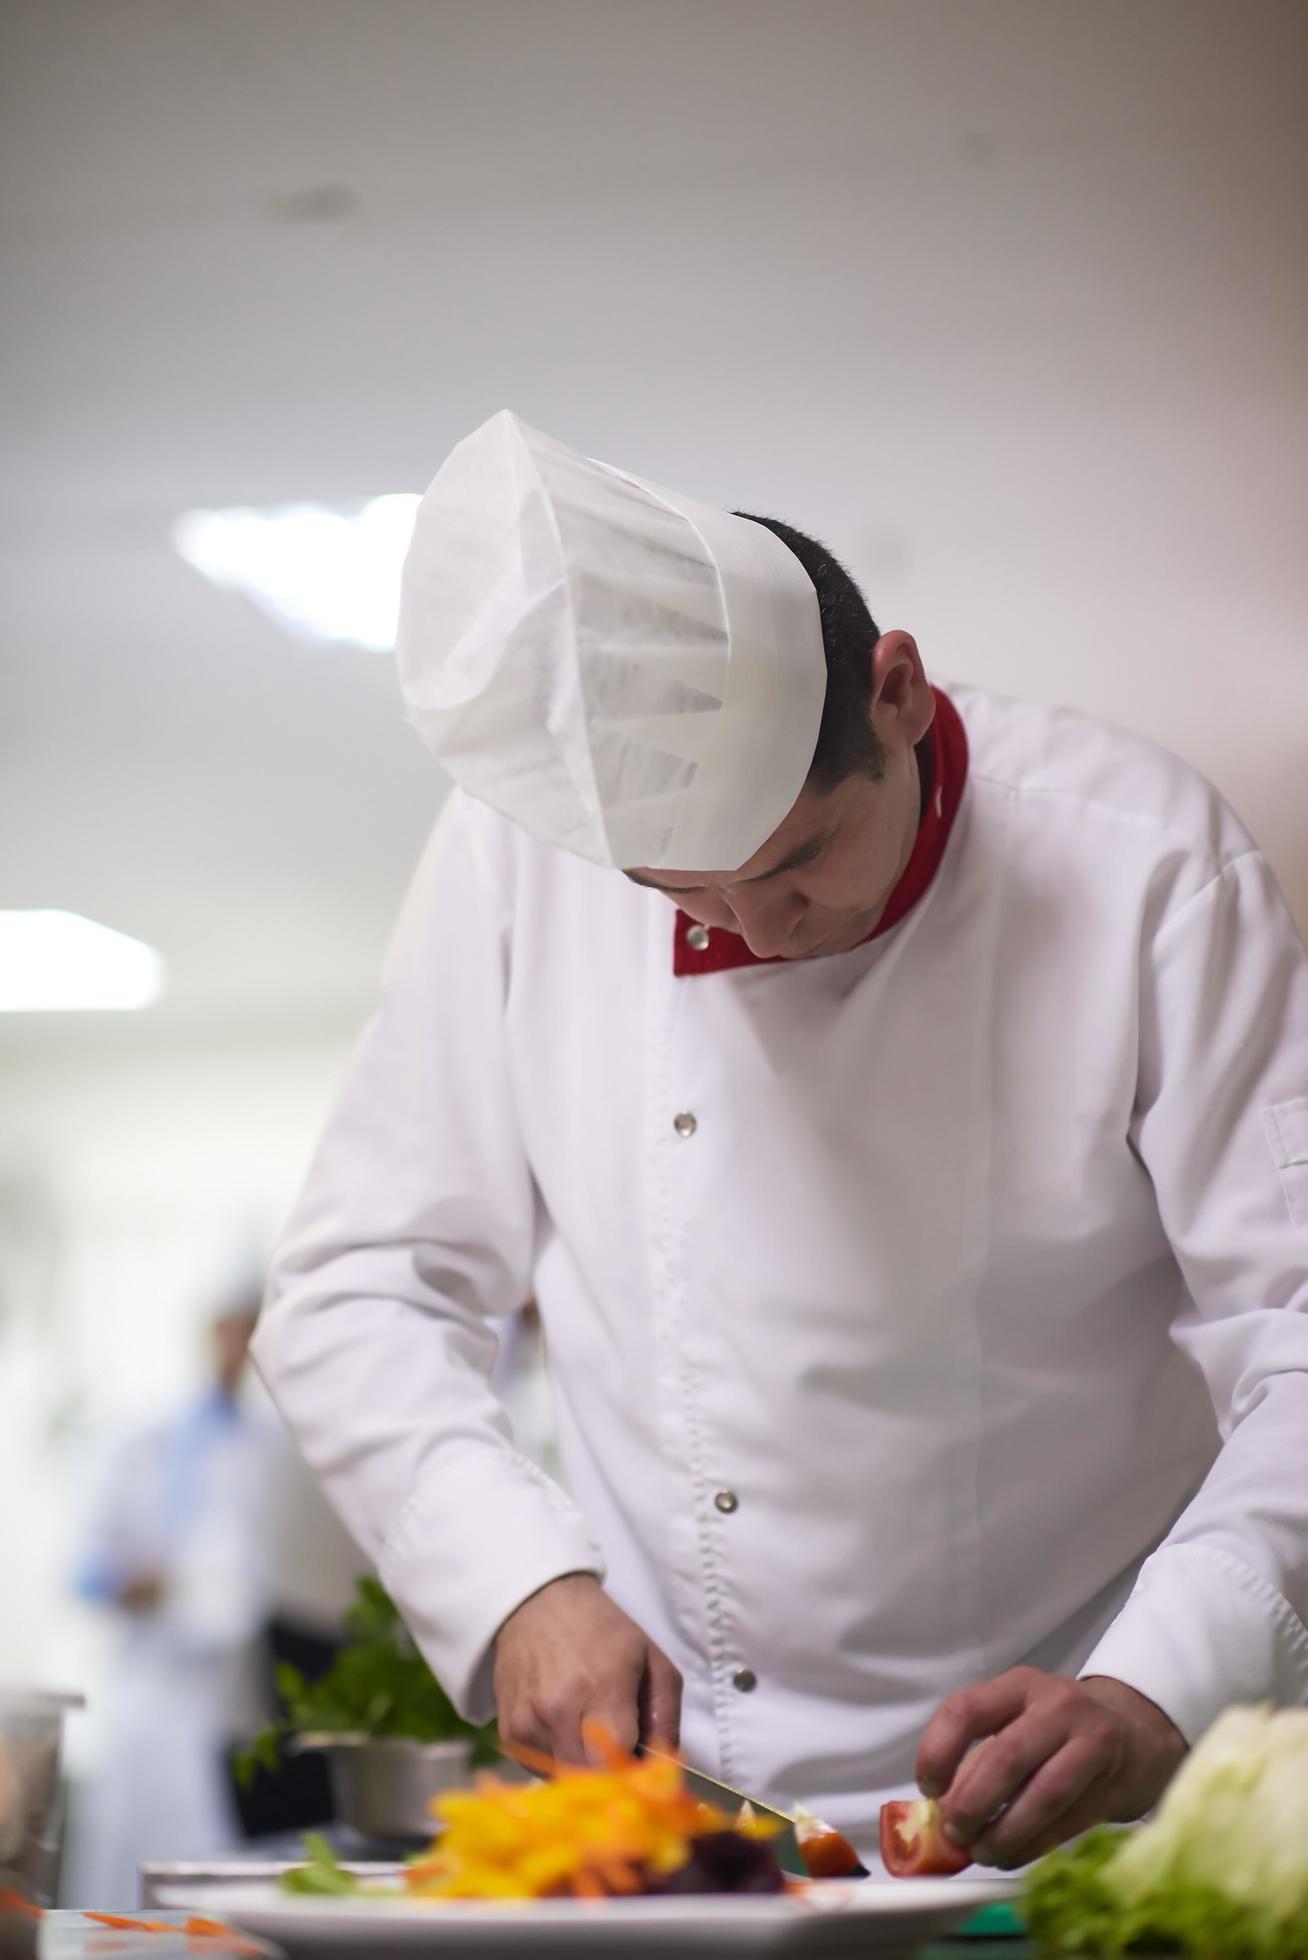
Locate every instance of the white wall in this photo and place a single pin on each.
(1004, 298)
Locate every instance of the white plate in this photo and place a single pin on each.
(868, 1915)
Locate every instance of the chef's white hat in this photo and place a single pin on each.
(625, 673)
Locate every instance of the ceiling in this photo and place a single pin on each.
(1008, 301)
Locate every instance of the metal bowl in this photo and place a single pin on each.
(31, 1806)
(384, 1789)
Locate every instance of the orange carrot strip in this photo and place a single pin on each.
(122, 1923)
(532, 1758)
(11, 1901)
(602, 1738)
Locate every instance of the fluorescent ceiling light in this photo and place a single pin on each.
(56, 960)
(328, 574)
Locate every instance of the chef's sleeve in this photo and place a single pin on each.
(1221, 1125)
(414, 1232)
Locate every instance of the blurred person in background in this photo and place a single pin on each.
(177, 1552)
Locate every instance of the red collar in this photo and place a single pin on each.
(948, 742)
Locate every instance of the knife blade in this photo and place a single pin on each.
(784, 1846)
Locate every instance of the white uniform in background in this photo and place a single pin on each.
(186, 1500)
(888, 1296)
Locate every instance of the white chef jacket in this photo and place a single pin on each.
(186, 1499)
(889, 1296)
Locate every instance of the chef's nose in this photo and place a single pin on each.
(766, 921)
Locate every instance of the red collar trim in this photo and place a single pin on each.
(948, 740)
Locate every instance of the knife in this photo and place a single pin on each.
(784, 1846)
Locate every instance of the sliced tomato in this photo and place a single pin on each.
(825, 1851)
(828, 1854)
(913, 1844)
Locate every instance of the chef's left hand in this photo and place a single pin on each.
(1060, 1755)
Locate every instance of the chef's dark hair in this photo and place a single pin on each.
(847, 743)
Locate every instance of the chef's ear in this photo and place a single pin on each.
(903, 704)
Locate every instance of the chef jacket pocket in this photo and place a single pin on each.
(1287, 1131)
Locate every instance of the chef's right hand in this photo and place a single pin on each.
(569, 1655)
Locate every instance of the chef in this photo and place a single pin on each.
(176, 1553)
(896, 1099)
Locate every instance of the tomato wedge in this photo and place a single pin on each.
(913, 1845)
(829, 1854)
(826, 1852)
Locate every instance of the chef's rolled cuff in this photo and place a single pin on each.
(475, 1541)
(1202, 1632)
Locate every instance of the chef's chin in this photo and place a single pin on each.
(843, 941)
(823, 948)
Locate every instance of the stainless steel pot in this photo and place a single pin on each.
(31, 1797)
(384, 1789)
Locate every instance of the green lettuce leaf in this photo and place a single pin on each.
(323, 1875)
(1220, 1870)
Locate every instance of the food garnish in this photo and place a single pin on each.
(194, 1928)
(322, 1874)
(12, 1901)
(199, 1933)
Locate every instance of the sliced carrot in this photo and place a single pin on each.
(603, 1739)
(122, 1923)
(533, 1759)
(196, 1930)
(619, 1879)
(11, 1901)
